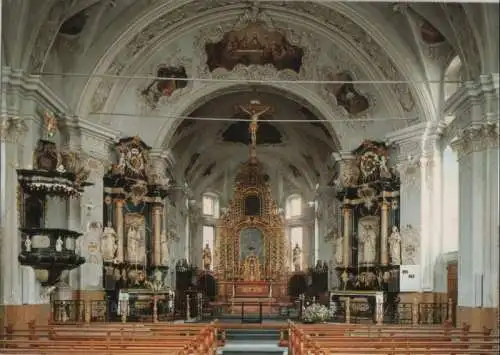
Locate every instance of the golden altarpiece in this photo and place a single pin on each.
(251, 253)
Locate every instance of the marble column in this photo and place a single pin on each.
(384, 227)
(157, 229)
(119, 229)
(347, 243)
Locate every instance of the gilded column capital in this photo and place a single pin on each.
(476, 138)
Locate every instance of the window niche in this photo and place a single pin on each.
(210, 205)
(294, 207)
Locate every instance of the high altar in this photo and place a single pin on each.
(250, 256)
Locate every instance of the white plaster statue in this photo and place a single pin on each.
(89, 275)
(164, 248)
(296, 257)
(395, 246)
(108, 243)
(369, 238)
(59, 245)
(339, 252)
(27, 244)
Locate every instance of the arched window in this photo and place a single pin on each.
(294, 206)
(210, 205)
(453, 73)
(450, 201)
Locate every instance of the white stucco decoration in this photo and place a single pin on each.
(330, 18)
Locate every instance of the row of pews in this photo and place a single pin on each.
(198, 339)
(112, 339)
(326, 339)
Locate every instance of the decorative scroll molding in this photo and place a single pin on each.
(410, 245)
(476, 138)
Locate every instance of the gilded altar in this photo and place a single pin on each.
(250, 244)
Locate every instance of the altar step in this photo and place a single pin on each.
(252, 335)
(252, 342)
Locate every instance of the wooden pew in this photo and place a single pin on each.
(383, 339)
(113, 339)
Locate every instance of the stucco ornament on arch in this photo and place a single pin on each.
(322, 14)
(303, 39)
(175, 59)
(361, 38)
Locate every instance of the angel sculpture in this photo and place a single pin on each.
(50, 124)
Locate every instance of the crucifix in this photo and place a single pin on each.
(254, 109)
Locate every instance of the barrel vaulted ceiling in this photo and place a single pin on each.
(107, 42)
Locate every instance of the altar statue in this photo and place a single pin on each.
(369, 239)
(251, 268)
(108, 243)
(296, 257)
(339, 252)
(164, 253)
(207, 257)
(395, 246)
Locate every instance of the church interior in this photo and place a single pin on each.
(218, 172)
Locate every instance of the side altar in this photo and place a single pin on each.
(250, 250)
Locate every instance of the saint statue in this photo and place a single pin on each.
(108, 243)
(133, 245)
(339, 252)
(27, 244)
(296, 257)
(369, 240)
(254, 110)
(395, 246)
(59, 245)
(207, 257)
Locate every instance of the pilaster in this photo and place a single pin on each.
(475, 137)
(417, 159)
(12, 132)
(93, 142)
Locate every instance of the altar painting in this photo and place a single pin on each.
(136, 238)
(251, 243)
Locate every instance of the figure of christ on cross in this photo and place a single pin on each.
(255, 109)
